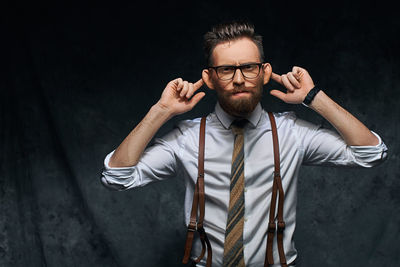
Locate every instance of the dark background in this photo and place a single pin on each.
(77, 77)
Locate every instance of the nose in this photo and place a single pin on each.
(238, 77)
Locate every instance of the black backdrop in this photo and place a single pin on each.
(77, 77)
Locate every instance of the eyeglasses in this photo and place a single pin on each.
(227, 72)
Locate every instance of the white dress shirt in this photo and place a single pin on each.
(300, 142)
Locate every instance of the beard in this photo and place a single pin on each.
(242, 106)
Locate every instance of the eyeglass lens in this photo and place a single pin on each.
(249, 71)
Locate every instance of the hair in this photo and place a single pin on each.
(230, 31)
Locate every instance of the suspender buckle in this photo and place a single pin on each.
(281, 226)
(192, 227)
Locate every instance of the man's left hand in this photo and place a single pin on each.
(297, 83)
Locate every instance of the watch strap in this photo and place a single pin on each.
(310, 96)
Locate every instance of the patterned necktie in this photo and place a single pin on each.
(233, 246)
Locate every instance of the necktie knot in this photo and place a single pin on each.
(238, 126)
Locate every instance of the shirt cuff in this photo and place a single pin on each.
(369, 156)
(107, 163)
(119, 178)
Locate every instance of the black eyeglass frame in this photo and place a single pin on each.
(240, 67)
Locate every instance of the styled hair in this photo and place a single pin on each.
(230, 31)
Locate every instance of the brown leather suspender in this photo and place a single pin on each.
(199, 200)
(277, 186)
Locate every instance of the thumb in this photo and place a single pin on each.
(196, 98)
(278, 94)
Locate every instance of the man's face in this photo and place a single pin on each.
(239, 96)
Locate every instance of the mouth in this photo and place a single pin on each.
(241, 93)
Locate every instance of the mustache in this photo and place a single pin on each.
(240, 90)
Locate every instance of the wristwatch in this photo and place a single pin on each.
(310, 96)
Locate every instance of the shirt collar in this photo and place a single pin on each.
(226, 119)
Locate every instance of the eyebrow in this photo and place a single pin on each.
(246, 63)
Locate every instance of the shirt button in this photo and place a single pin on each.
(245, 219)
(245, 190)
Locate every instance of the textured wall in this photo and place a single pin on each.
(78, 77)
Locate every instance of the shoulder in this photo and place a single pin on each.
(185, 128)
(187, 125)
(194, 124)
(285, 115)
(284, 119)
(289, 119)
(180, 133)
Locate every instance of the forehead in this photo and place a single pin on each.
(235, 52)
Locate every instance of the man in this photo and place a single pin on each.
(237, 73)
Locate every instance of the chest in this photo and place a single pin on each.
(258, 156)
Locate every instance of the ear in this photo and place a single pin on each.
(267, 69)
(206, 76)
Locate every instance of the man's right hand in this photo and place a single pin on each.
(175, 99)
(177, 96)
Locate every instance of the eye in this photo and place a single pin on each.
(249, 67)
(226, 69)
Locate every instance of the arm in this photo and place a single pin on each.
(298, 83)
(175, 99)
(351, 129)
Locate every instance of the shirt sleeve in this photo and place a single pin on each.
(158, 162)
(326, 147)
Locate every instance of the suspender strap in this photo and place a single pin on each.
(276, 187)
(198, 201)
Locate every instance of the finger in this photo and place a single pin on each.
(190, 91)
(184, 89)
(198, 84)
(179, 84)
(277, 78)
(286, 83)
(279, 94)
(194, 87)
(297, 72)
(293, 80)
(174, 82)
(196, 98)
